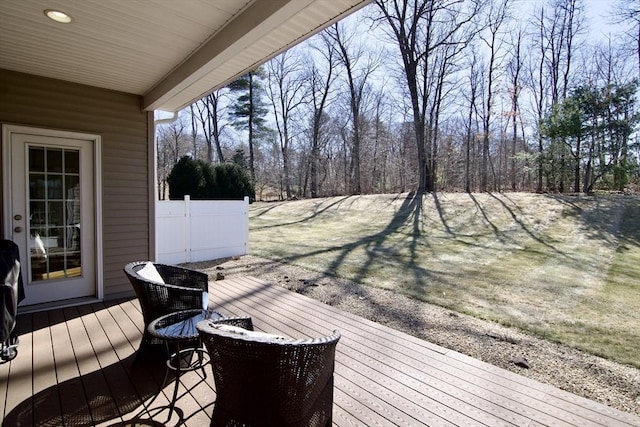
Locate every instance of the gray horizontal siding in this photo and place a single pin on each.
(34, 101)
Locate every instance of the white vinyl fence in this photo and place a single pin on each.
(201, 230)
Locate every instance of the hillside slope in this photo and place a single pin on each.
(566, 268)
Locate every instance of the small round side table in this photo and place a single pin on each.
(177, 330)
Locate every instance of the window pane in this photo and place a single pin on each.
(55, 214)
(38, 214)
(37, 188)
(54, 160)
(72, 161)
(54, 186)
(36, 159)
(71, 187)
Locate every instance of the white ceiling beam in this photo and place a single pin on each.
(248, 27)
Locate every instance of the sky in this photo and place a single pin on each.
(598, 12)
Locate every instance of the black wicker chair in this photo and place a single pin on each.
(268, 381)
(183, 289)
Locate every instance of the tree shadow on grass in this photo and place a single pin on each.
(516, 219)
(514, 230)
(308, 218)
(409, 218)
(614, 217)
(417, 247)
(409, 213)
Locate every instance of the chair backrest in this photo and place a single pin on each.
(183, 289)
(11, 288)
(270, 381)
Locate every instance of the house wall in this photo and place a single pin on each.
(126, 132)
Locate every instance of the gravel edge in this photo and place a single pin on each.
(586, 375)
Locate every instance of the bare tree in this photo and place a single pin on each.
(380, 141)
(321, 79)
(514, 70)
(429, 34)
(287, 91)
(194, 131)
(351, 55)
(211, 115)
(627, 12)
(471, 124)
(174, 137)
(172, 142)
(462, 98)
(608, 64)
(558, 25)
(497, 15)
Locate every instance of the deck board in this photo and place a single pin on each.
(392, 404)
(44, 378)
(77, 366)
(20, 384)
(396, 368)
(393, 384)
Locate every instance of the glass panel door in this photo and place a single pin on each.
(53, 215)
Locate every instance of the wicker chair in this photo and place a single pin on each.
(183, 289)
(268, 381)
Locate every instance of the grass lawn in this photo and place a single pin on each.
(566, 268)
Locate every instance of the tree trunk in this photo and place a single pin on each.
(252, 169)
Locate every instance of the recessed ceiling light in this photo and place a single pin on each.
(58, 16)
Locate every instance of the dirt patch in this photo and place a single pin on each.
(586, 375)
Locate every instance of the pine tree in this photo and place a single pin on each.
(248, 111)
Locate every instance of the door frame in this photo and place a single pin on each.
(96, 140)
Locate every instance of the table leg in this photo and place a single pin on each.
(176, 381)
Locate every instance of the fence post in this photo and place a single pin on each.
(246, 225)
(187, 227)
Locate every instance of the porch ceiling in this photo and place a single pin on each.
(171, 52)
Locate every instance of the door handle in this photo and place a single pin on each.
(17, 217)
(17, 229)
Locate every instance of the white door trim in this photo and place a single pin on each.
(7, 133)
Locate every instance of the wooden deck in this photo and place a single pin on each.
(75, 367)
